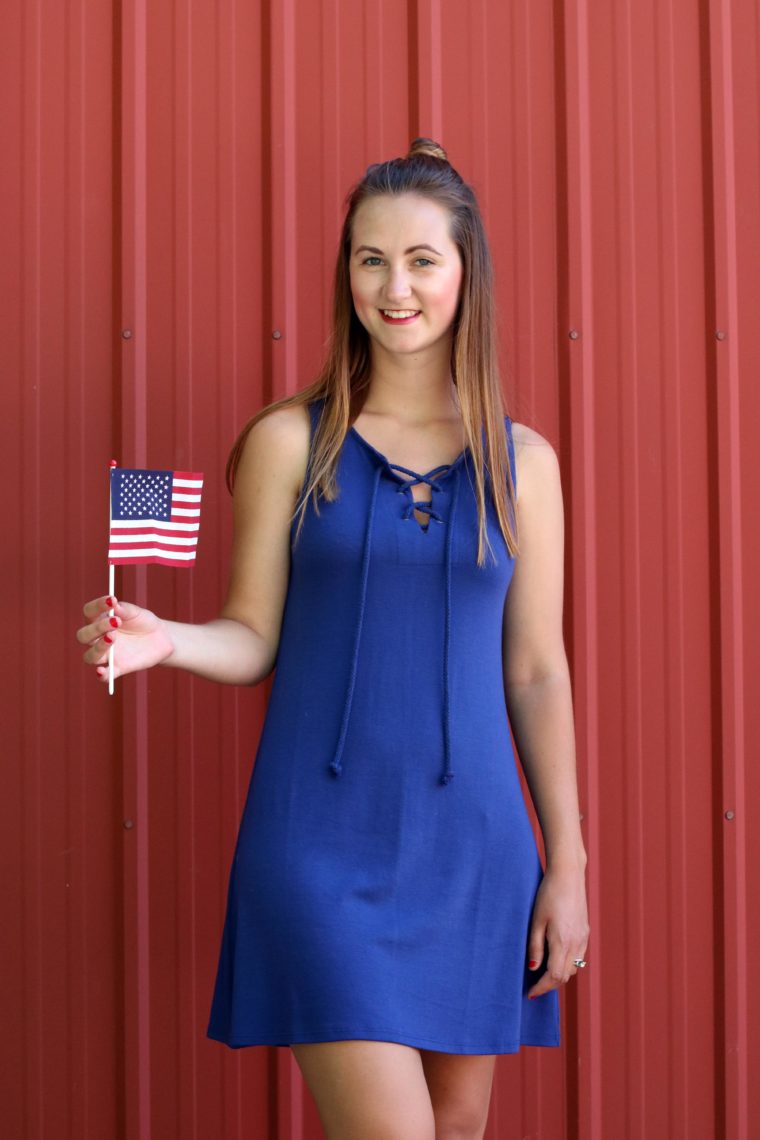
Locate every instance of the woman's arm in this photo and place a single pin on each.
(536, 674)
(240, 646)
(539, 703)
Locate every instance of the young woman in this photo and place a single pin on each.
(398, 556)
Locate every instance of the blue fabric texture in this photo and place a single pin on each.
(385, 869)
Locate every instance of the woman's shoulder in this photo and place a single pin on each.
(285, 426)
(535, 458)
(525, 436)
(279, 442)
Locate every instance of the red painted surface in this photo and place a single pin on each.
(171, 198)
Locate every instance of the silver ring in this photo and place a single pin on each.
(578, 962)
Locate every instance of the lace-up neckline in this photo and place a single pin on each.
(423, 476)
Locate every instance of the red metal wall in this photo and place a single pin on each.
(171, 192)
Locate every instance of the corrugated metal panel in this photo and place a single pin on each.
(637, 439)
(615, 151)
(734, 357)
(61, 950)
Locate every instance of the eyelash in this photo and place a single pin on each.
(372, 257)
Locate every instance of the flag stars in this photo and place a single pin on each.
(143, 495)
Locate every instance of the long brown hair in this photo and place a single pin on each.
(345, 373)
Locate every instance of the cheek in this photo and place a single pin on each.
(359, 299)
(449, 294)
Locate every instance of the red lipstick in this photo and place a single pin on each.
(399, 320)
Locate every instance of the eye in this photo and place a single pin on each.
(425, 259)
(372, 258)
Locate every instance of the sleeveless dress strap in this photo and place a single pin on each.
(511, 449)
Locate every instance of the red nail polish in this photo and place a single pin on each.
(110, 602)
(533, 964)
(107, 638)
(114, 622)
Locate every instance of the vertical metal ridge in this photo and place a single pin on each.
(413, 90)
(674, 400)
(429, 46)
(584, 523)
(283, 203)
(630, 273)
(72, 210)
(187, 356)
(479, 71)
(730, 493)
(31, 456)
(134, 427)
(185, 282)
(332, 191)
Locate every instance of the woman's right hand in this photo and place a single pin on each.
(139, 638)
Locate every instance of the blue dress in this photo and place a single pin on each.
(385, 869)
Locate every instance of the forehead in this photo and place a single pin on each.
(390, 221)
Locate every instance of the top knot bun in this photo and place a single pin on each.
(428, 147)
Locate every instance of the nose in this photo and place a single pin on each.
(397, 286)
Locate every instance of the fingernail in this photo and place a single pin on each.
(110, 602)
(532, 964)
(114, 622)
(107, 638)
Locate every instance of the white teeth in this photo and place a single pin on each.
(399, 314)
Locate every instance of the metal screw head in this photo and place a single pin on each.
(720, 335)
(729, 815)
(276, 334)
(126, 334)
(574, 334)
(129, 824)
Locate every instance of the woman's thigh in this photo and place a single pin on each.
(460, 1091)
(375, 1090)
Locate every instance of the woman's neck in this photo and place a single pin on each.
(412, 389)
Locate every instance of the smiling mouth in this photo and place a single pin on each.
(399, 314)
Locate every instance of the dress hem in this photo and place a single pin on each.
(285, 1040)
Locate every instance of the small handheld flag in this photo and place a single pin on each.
(154, 517)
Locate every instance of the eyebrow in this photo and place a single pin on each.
(412, 249)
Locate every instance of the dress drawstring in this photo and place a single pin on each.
(448, 775)
(336, 765)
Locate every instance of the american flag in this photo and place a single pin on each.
(155, 516)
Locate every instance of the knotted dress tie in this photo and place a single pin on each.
(336, 765)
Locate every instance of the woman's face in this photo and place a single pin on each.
(406, 272)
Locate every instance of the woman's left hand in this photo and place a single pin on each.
(560, 917)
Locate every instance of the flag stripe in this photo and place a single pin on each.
(150, 552)
(160, 559)
(157, 525)
(170, 540)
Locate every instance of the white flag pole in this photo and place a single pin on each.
(111, 574)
